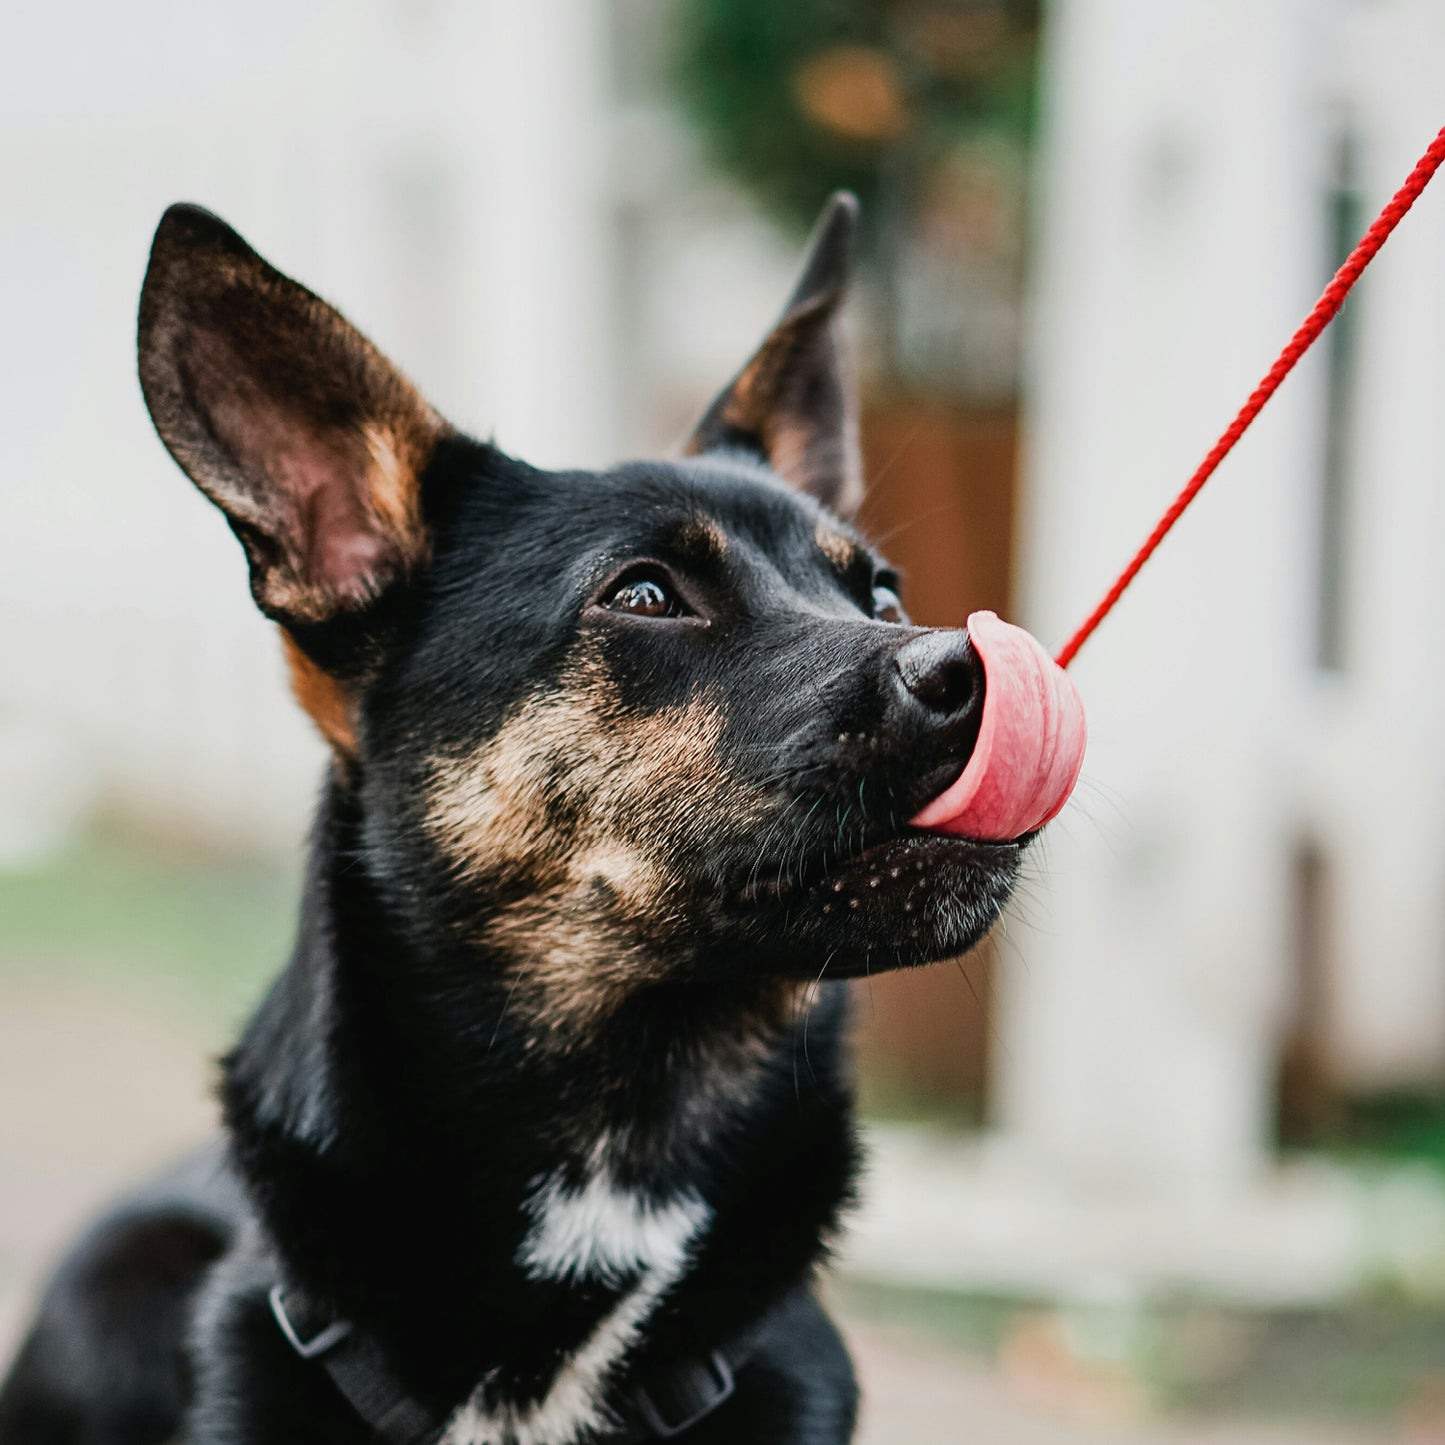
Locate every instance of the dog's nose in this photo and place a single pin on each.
(941, 671)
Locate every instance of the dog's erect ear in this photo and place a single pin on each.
(793, 403)
(286, 417)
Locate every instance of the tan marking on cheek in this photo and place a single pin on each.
(834, 545)
(634, 879)
(327, 700)
(571, 970)
(488, 811)
(633, 784)
(636, 791)
(470, 814)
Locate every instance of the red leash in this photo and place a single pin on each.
(1324, 312)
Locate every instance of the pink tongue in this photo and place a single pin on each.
(1030, 745)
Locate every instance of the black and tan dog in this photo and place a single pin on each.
(543, 1132)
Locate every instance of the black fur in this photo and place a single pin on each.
(624, 763)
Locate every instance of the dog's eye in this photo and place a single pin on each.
(645, 594)
(887, 607)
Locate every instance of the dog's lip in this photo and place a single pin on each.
(927, 838)
(828, 874)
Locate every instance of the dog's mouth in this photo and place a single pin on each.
(912, 897)
(884, 860)
(934, 887)
(875, 870)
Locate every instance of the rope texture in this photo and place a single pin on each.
(1325, 310)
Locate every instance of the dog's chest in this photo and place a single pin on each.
(593, 1234)
(606, 1234)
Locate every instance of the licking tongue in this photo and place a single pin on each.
(1030, 743)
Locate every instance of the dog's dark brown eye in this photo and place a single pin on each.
(648, 596)
(887, 607)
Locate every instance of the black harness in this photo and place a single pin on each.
(670, 1400)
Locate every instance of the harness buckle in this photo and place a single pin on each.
(688, 1396)
(324, 1339)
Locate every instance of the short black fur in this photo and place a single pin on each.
(554, 1091)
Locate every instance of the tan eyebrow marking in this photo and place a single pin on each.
(705, 535)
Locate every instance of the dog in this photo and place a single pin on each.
(546, 1129)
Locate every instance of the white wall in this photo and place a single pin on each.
(437, 170)
(1373, 779)
(1182, 240)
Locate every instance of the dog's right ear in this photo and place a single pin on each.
(794, 403)
(287, 418)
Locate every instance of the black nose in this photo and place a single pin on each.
(940, 670)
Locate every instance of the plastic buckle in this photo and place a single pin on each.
(721, 1385)
(325, 1339)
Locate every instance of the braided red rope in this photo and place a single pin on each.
(1324, 312)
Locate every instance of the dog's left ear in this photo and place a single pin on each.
(304, 435)
(794, 404)
(308, 439)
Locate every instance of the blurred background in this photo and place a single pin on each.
(1164, 1163)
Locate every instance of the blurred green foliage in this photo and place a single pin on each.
(1362, 1362)
(1396, 1125)
(795, 100)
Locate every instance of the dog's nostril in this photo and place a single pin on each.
(942, 671)
(947, 687)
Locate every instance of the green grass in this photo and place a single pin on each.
(117, 911)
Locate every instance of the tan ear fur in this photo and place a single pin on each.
(286, 417)
(793, 403)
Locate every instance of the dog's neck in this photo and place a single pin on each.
(425, 1166)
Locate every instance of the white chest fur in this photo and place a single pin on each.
(597, 1233)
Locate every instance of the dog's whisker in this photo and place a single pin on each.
(502, 1013)
(813, 993)
(995, 1033)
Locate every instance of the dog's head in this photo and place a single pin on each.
(609, 729)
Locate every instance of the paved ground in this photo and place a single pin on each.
(972, 1214)
(919, 1395)
(93, 1092)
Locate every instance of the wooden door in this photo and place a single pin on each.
(941, 504)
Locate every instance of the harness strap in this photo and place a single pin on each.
(668, 1402)
(357, 1368)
